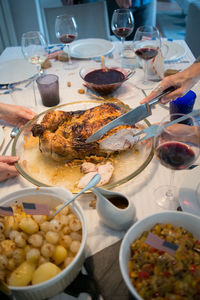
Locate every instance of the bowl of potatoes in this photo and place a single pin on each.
(41, 255)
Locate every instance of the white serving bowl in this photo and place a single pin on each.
(188, 221)
(52, 197)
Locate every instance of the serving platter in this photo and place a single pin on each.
(43, 171)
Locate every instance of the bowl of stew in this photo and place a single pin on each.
(104, 81)
(150, 269)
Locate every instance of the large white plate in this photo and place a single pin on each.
(1, 136)
(90, 48)
(175, 51)
(189, 193)
(16, 70)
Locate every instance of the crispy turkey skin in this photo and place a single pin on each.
(63, 134)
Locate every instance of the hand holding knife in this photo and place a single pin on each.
(130, 118)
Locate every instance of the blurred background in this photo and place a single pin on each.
(176, 19)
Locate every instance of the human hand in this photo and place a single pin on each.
(124, 3)
(15, 115)
(182, 81)
(7, 168)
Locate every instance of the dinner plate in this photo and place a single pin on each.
(16, 70)
(44, 171)
(1, 136)
(175, 51)
(90, 48)
(189, 193)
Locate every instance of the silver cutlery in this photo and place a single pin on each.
(151, 131)
(13, 134)
(130, 118)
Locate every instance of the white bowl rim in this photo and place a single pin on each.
(126, 237)
(78, 209)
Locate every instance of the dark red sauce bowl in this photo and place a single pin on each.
(106, 81)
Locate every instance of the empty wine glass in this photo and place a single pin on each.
(176, 147)
(66, 31)
(34, 47)
(146, 45)
(35, 50)
(122, 24)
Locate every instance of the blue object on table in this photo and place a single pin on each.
(183, 105)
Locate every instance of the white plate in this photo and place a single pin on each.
(189, 193)
(16, 70)
(1, 136)
(175, 51)
(90, 48)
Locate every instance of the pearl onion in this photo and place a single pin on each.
(33, 255)
(66, 241)
(74, 247)
(52, 237)
(44, 226)
(47, 250)
(20, 241)
(36, 240)
(55, 225)
(18, 256)
(75, 224)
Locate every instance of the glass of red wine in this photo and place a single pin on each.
(122, 24)
(66, 32)
(176, 147)
(146, 45)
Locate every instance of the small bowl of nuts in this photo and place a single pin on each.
(40, 254)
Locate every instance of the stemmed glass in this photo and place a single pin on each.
(122, 24)
(146, 45)
(35, 50)
(34, 47)
(66, 31)
(176, 147)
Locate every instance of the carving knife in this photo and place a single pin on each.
(130, 118)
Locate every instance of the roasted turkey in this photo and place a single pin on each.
(62, 135)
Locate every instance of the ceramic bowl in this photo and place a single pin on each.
(188, 221)
(105, 88)
(55, 285)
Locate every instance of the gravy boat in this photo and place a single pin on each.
(114, 209)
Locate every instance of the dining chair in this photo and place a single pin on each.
(91, 18)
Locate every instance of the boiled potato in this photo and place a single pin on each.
(22, 276)
(45, 272)
(28, 225)
(60, 253)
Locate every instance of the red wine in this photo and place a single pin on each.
(123, 31)
(100, 76)
(175, 155)
(67, 38)
(146, 53)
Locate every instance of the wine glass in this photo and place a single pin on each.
(122, 24)
(35, 50)
(34, 47)
(66, 31)
(176, 147)
(146, 45)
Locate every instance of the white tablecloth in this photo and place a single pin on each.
(140, 189)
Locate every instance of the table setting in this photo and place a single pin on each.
(64, 89)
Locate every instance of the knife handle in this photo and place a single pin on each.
(165, 92)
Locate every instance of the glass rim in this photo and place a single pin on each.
(161, 128)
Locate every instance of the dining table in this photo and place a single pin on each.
(139, 189)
